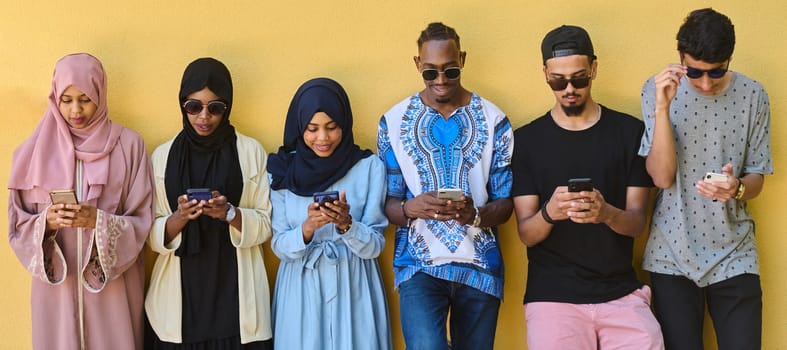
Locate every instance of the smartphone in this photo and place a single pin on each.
(711, 177)
(200, 194)
(326, 197)
(453, 194)
(580, 184)
(63, 197)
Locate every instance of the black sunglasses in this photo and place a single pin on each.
(715, 73)
(559, 84)
(450, 73)
(194, 107)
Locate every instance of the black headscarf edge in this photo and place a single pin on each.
(219, 149)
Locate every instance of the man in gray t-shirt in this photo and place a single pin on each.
(702, 118)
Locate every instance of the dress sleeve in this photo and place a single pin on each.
(39, 253)
(157, 238)
(287, 242)
(119, 238)
(255, 204)
(365, 237)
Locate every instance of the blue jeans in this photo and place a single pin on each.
(424, 302)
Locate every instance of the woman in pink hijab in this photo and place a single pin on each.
(85, 258)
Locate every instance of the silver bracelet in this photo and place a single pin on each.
(477, 218)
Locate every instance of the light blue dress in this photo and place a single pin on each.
(329, 293)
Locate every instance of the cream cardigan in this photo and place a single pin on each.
(163, 301)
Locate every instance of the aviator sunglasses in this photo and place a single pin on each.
(715, 73)
(450, 73)
(194, 107)
(559, 84)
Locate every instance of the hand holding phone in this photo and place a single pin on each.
(63, 217)
(579, 185)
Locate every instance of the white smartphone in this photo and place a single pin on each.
(711, 177)
(453, 194)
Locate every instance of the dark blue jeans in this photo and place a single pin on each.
(424, 303)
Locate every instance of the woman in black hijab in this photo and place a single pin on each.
(209, 288)
(329, 293)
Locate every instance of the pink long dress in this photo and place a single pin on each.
(111, 293)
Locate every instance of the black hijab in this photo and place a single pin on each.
(296, 167)
(204, 161)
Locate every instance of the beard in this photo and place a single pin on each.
(575, 110)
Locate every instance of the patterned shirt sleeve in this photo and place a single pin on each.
(758, 153)
(500, 176)
(396, 186)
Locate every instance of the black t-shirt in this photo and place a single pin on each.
(580, 263)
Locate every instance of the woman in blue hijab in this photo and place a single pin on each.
(329, 293)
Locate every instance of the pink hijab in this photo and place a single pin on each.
(47, 159)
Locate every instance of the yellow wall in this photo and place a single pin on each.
(271, 47)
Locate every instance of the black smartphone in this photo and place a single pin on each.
(200, 194)
(580, 184)
(63, 197)
(325, 197)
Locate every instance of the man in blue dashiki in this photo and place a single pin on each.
(446, 255)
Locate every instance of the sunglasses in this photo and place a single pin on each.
(450, 73)
(195, 107)
(559, 84)
(715, 73)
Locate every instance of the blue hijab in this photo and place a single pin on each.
(295, 166)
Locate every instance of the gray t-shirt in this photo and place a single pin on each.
(691, 235)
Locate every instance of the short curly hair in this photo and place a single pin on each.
(707, 35)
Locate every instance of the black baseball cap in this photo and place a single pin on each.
(566, 40)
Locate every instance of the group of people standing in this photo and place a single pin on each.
(449, 169)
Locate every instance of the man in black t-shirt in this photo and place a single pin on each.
(581, 287)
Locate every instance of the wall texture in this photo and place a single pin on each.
(271, 47)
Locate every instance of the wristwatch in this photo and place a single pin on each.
(349, 225)
(230, 212)
(740, 191)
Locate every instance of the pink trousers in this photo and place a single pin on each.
(625, 323)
